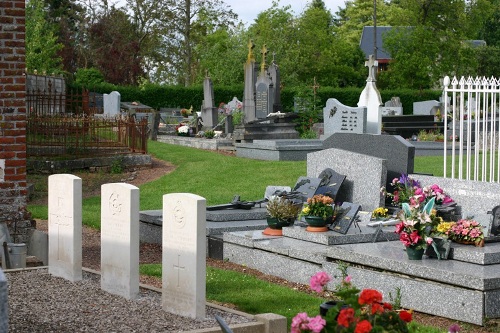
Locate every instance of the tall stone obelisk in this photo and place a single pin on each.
(249, 91)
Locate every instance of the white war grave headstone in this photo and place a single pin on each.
(120, 239)
(184, 255)
(112, 103)
(370, 98)
(65, 226)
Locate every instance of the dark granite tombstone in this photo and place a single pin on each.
(307, 187)
(495, 224)
(261, 99)
(348, 215)
(331, 182)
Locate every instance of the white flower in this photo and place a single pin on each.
(183, 129)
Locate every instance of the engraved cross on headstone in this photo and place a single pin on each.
(372, 65)
(263, 51)
(178, 267)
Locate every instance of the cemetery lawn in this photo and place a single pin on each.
(218, 177)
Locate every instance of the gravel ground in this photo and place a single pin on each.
(40, 302)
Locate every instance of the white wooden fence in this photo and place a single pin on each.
(471, 115)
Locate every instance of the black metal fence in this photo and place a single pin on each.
(71, 124)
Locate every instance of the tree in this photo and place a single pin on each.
(116, 48)
(41, 40)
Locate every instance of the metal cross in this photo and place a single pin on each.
(263, 51)
(315, 86)
(250, 45)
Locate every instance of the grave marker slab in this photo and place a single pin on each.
(365, 175)
(306, 186)
(120, 239)
(184, 247)
(209, 111)
(112, 103)
(65, 226)
(331, 182)
(347, 217)
(342, 118)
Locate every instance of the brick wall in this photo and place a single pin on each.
(13, 189)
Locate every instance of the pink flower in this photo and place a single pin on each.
(348, 279)
(415, 237)
(299, 322)
(447, 200)
(316, 324)
(405, 239)
(429, 240)
(400, 227)
(318, 281)
(474, 233)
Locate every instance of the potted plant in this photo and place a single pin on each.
(466, 231)
(281, 212)
(318, 212)
(182, 130)
(415, 228)
(380, 214)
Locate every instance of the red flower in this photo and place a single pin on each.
(363, 326)
(387, 306)
(377, 308)
(405, 316)
(346, 317)
(369, 296)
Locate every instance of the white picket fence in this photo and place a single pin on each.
(472, 118)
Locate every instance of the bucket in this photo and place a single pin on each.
(17, 254)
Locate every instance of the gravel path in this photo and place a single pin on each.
(40, 302)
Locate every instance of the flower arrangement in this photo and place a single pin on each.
(319, 205)
(357, 311)
(282, 208)
(228, 109)
(407, 189)
(186, 112)
(416, 225)
(182, 129)
(380, 213)
(463, 231)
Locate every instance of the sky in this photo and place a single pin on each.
(248, 10)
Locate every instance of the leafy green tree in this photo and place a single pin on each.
(88, 77)
(41, 40)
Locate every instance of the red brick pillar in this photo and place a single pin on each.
(13, 189)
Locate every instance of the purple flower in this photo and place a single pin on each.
(455, 328)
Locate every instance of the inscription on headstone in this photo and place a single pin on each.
(120, 239)
(65, 226)
(261, 99)
(307, 187)
(341, 118)
(184, 248)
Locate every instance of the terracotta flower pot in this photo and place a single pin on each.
(317, 223)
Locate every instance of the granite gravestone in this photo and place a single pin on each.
(365, 175)
(264, 90)
(392, 107)
(338, 117)
(4, 303)
(424, 107)
(249, 89)
(399, 153)
(120, 239)
(112, 103)
(274, 72)
(306, 187)
(209, 114)
(184, 253)
(347, 217)
(65, 226)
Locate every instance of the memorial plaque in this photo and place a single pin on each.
(261, 100)
(341, 118)
(344, 221)
(307, 187)
(331, 182)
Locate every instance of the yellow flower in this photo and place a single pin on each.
(306, 210)
(444, 226)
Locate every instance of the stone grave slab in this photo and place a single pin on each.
(398, 153)
(225, 215)
(331, 183)
(365, 175)
(112, 103)
(424, 107)
(120, 239)
(184, 250)
(65, 226)
(4, 303)
(342, 118)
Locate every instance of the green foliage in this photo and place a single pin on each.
(88, 77)
(209, 134)
(42, 46)
(117, 165)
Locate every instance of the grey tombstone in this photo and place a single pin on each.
(399, 153)
(209, 111)
(365, 175)
(347, 217)
(120, 239)
(339, 118)
(392, 107)
(4, 303)
(65, 226)
(184, 253)
(112, 103)
(249, 89)
(424, 107)
(264, 96)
